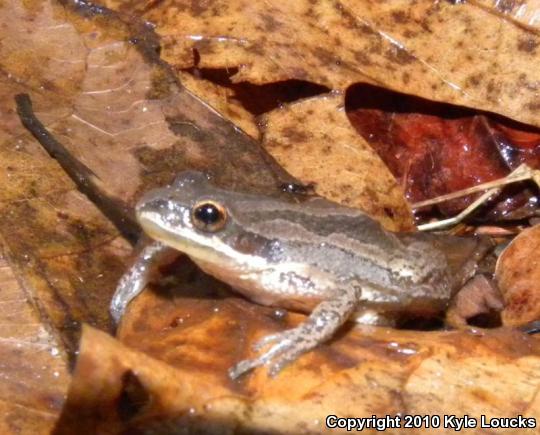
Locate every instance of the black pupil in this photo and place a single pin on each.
(208, 214)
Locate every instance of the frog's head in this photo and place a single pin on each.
(194, 217)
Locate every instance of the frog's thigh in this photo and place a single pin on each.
(137, 277)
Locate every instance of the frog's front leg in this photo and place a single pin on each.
(288, 345)
(137, 277)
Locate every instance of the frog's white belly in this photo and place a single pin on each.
(290, 285)
(300, 287)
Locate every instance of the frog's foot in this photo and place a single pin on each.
(288, 345)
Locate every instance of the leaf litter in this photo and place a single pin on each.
(130, 117)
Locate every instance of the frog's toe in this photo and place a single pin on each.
(294, 348)
(289, 345)
(280, 362)
(243, 367)
(279, 337)
(282, 346)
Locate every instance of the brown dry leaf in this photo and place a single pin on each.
(474, 386)
(129, 382)
(478, 296)
(222, 100)
(491, 61)
(363, 373)
(518, 277)
(315, 142)
(524, 12)
(33, 369)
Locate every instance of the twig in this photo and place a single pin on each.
(120, 214)
(521, 173)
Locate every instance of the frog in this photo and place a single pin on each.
(332, 262)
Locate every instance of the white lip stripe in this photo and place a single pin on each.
(189, 245)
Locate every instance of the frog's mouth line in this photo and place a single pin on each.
(174, 239)
(207, 248)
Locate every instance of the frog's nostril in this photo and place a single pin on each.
(145, 205)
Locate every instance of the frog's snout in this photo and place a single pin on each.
(148, 203)
(157, 200)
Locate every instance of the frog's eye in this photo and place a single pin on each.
(208, 216)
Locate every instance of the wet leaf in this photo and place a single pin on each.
(176, 388)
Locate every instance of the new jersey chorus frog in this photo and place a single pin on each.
(315, 256)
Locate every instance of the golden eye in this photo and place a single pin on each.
(208, 216)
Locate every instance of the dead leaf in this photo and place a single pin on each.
(129, 383)
(33, 370)
(253, 42)
(479, 296)
(491, 63)
(315, 142)
(221, 99)
(524, 12)
(434, 149)
(518, 277)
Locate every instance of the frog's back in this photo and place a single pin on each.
(312, 221)
(341, 241)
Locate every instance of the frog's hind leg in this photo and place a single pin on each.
(137, 277)
(288, 345)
